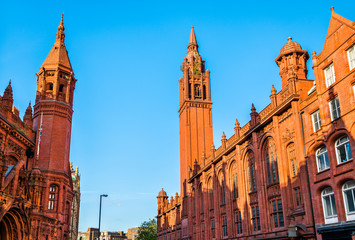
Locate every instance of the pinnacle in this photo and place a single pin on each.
(192, 40)
(60, 33)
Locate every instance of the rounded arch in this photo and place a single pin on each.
(264, 138)
(341, 182)
(14, 225)
(322, 187)
(334, 135)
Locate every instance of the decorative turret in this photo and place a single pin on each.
(292, 62)
(237, 128)
(55, 80)
(162, 199)
(8, 99)
(27, 118)
(254, 116)
(224, 140)
(273, 96)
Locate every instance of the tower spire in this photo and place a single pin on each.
(60, 33)
(192, 42)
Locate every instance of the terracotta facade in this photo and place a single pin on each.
(273, 179)
(35, 175)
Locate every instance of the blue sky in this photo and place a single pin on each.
(126, 56)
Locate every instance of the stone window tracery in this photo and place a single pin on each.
(251, 171)
(270, 157)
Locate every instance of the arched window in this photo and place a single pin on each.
(322, 158)
(291, 153)
(204, 92)
(251, 171)
(234, 181)
(349, 199)
(50, 86)
(61, 88)
(210, 193)
(343, 149)
(53, 197)
(201, 198)
(222, 189)
(197, 91)
(271, 162)
(329, 208)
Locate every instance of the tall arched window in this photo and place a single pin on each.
(291, 153)
(197, 91)
(251, 171)
(53, 197)
(329, 208)
(343, 149)
(322, 158)
(349, 199)
(222, 189)
(271, 161)
(201, 198)
(233, 181)
(210, 193)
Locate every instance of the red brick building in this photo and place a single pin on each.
(36, 189)
(286, 174)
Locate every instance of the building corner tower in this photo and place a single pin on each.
(195, 111)
(52, 123)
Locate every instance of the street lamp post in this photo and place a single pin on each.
(102, 195)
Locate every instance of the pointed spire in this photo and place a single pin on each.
(58, 54)
(253, 109)
(192, 37)
(273, 90)
(192, 42)
(60, 33)
(237, 123)
(7, 98)
(223, 135)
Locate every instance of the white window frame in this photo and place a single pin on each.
(318, 154)
(338, 144)
(329, 75)
(337, 109)
(351, 56)
(332, 218)
(316, 121)
(349, 215)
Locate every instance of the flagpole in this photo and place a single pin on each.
(39, 140)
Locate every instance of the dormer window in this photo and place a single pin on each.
(351, 57)
(329, 75)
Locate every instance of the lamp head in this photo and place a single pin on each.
(104, 195)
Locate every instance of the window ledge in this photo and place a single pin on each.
(323, 171)
(344, 163)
